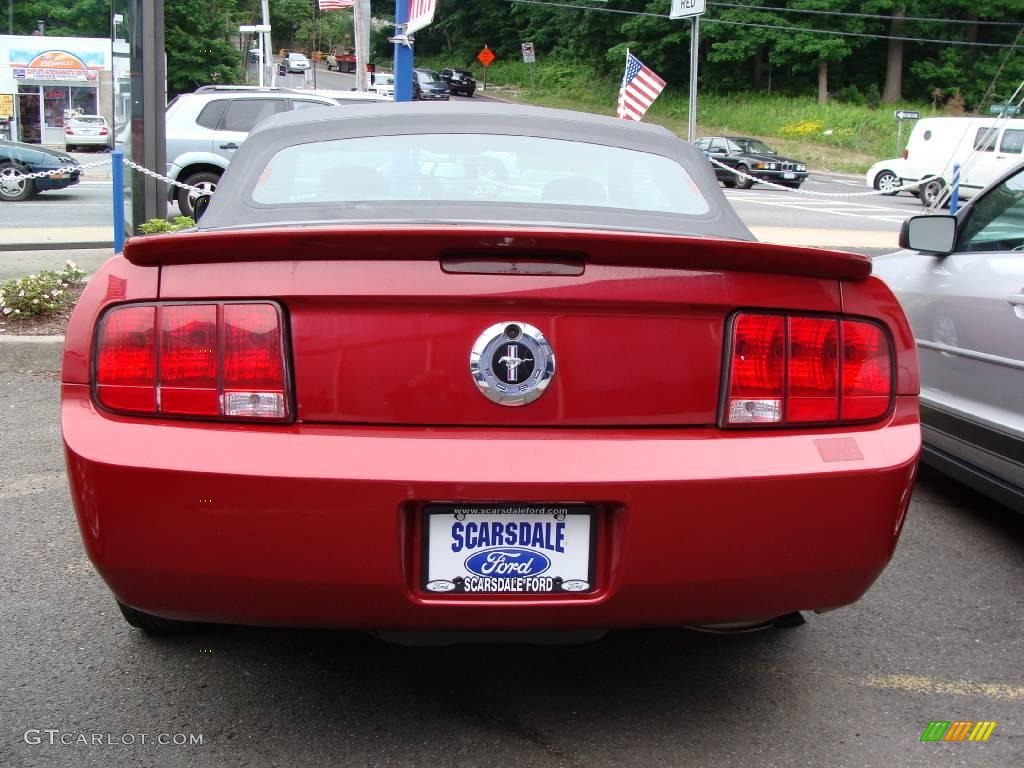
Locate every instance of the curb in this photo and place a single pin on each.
(54, 246)
(31, 353)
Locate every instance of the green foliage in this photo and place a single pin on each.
(39, 294)
(161, 226)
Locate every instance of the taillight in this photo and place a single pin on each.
(906, 154)
(104, 132)
(803, 369)
(68, 131)
(214, 360)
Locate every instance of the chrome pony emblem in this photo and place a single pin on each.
(512, 363)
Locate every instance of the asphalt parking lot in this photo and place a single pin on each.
(939, 637)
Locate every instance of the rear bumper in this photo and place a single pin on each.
(315, 525)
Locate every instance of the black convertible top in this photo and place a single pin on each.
(233, 207)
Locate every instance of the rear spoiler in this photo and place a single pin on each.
(443, 242)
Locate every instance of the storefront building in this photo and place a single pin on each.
(45, 79)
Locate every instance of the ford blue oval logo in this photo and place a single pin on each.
(509, 562)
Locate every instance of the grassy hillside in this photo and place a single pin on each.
(836, 136)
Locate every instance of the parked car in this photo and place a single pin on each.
(427, 85)
(983, 147)
(340, 392)
(254, 55)
(17, 159)
(206, 128)
(459, 81)
(887, 176)
(383, 83)
(753, 157)
(296, 62)
(87, 131)
(961, 283)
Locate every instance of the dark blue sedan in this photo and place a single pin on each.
(17, 159)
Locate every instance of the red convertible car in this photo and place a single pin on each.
(485, 368)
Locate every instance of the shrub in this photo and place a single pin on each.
(872, 96)
(160, 226)
(38, 294)
(851, 95)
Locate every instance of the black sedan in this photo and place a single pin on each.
(460, 81)
(17, 159)
(427, 85)
(753, 157)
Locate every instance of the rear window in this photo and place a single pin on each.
(477, 168)
(1013, 141)
(89, 120)
(243, 115)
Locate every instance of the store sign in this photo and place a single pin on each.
(6, 105)
(52, 66)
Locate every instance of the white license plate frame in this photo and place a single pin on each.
(473, 569)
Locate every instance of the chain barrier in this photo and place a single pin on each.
(18, 177)
(892, 190)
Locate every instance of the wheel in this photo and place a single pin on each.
(13, 189)
(206, 181)
(931, 192)
(886, 181)
(730, 183)
(156, 625)
(741, 181)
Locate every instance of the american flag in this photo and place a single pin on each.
(640, 87)
(421, 14)
(335, 5)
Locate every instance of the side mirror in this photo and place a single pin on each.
(929, 234)
(200, 205)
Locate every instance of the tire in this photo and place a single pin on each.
(12, 191)
(931, 192)
(741, 182)
(207, 180)
(885, 181)
(157, 625)
(730, 183)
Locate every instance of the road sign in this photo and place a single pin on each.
(528, 55)
(1004, 109)
(254, 28)
(682, 9)
(486, 56)
(902, 114)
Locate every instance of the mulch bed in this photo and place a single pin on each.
(49, 324)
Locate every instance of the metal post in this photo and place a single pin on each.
(531, 82)
(117, 179)
(403, 54)
(954, 200)
(899, 135)
(268, 48)
(263, 57)
(694, 48)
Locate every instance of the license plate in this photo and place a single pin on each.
(789, 175)
(509, 548)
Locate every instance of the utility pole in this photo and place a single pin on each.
(268, 51)
(361, 30)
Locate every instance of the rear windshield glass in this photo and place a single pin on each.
(477, 168)
(88, 120)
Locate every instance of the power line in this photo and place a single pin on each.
(807, 30)
(865, 15)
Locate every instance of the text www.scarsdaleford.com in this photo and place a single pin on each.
(511, 510)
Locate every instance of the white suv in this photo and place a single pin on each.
(206, 127)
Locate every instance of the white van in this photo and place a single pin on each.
(985, 148)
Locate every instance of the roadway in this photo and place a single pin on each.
(937, 638)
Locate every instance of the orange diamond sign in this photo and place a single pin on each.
(486, 56)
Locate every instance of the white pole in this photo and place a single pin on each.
(361, 30)
(694, 47)
(263, 58)
(267, 47)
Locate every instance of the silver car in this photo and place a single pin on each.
(961, 283)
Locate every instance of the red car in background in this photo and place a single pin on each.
(523, 369)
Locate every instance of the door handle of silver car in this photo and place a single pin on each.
(1017, 299)
(232, 145)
